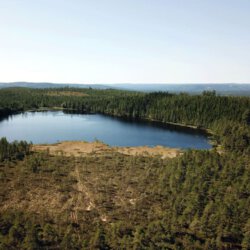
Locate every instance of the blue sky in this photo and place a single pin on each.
(125, 41)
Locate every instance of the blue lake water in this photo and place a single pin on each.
(54, 126)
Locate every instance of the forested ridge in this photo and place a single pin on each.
(204, 110)
(228, 117)
(199, 200)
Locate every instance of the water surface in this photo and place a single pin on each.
(55, 126)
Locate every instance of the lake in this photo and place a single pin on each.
(55, 126)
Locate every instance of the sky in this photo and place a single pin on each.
(125, 41)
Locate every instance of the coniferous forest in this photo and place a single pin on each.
(197, 200)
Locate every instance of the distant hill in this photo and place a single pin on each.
(45, 85)
(194, 88)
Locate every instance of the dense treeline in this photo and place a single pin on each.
(197, 201)
(15, 150)
(228, 117)
(235, 137)
(202, 110)
(209, 196)
(22, 99)
(205, 110)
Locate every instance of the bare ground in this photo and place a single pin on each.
(84, 187)
(80, 148)
(103, 186)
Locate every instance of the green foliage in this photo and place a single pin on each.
(208, 110)
(235, 137)
(13, 151)
(199, 200)
(246, 117)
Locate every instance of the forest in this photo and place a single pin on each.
(198, 200)
(227, 117)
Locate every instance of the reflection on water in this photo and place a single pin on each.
(54, 126)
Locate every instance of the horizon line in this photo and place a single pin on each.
(121, 83)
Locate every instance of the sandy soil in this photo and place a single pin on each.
(148, 151)
(78, 148)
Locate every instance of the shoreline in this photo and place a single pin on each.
(208, 132)
(194, 127)
(83, 148)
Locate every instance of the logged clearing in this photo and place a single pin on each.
(79, 148)
(78, 193)
(81, 193)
